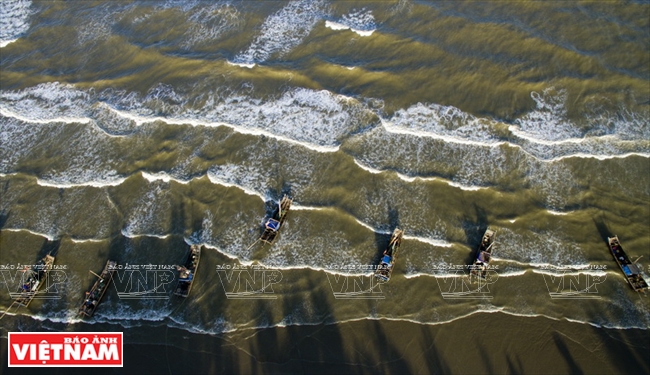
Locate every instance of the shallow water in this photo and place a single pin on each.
(132, 129)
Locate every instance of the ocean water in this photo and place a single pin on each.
(130, 130)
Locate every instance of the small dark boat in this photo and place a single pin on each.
(484, 254)
(187, 272)
(34, 280)
(273, 225)
(388, 259)
(97, 291)
(629, 268)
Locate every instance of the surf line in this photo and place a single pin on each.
(68, 120)
(413, 178)
(388, 127)
(140, 120)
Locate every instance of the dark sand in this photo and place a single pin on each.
(479, 344)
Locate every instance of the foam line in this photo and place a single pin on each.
(218, 181)
(130, 235)
(412, 179)
(430, 241)
(97, 184)
(140, 120)
(7, 42)
(47, 236)
(68, 120)
(339, 26)
(164, 177)
(390, 128)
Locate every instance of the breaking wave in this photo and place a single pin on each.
(14, 21)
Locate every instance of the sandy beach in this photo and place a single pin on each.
(479, 344)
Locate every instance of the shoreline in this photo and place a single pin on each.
(478, 344)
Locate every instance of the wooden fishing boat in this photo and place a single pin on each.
(389, 257)
(483, 254)
(273, 224)
(34, 279)
(187, 272)
(97, 291)
(629, 268)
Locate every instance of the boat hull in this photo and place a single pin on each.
(483, 254)
(187, 273)
(629, 268)
(35, 281)
(97, 291)
(387, 264)
(273, 225)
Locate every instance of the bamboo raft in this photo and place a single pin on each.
(187, 272)
(483, 254)
(387, 263)
(97, 291)
(36, 277)
(273, 224)
(629, 268)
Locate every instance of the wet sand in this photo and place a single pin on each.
(483, 343)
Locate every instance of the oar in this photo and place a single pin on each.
(8, 308)
(253, 244)
(95, 274)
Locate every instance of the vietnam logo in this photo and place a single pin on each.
(69, 349)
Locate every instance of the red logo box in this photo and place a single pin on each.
(68, 349)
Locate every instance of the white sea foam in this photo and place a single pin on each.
(391, 128)
(431, 241)
(317, 120)
(312, 119)
(111, 179)
(69, 120)
(210, 21)
(509, 273)
(127, 317)
(230, 176)
(336, 26)
(560, 271)
(545, 134)
(164, 177)
(360, 21)
(243, 65)
(298, 207)
(14, 20)
(411, 179)
(46, 103)
(149, 216)
(369, 227)
(454, 273)
(320, 120)
(87, 240)
(126, 232)
(332, 269)
(283, 31)
(465, 187)
(155, 312)
(599, 157)
(447, 123)
(537, 249)
(49, 237)
(417, 274)
(549, 124)
(367, 168)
